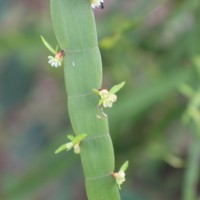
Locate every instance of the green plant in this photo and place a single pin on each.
(75, 30)
(192, 117)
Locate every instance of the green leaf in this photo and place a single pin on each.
(79, 138)
(57, 48)
(124, 166)
(61, 148)
(47, 45)
(116, 88)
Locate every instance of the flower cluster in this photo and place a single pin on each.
(107, 98)
(57, 59)
(97, 3)
(120, 175)
(75, 143)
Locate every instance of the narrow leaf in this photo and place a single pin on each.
(124, 166)
(47, 45)
(117, 87)
(61, 148)
(56, 48)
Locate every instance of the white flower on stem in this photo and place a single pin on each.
(112, 97)
(54, 62)
(120, 178)
(97, 3)
(75, 143)
(107, 98)
(120, 175)
(77, 149)
(103, 93)
(57, 59)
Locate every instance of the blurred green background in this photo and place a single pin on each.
(151, 44)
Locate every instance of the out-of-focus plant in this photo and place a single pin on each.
(192, 118)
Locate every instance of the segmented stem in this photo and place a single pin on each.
(74, 26)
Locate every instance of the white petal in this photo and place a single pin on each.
(103, 93)
(107, 103)
(77, 149)
(112, 97)
(54, 62)
(120, 177)
(110, 105)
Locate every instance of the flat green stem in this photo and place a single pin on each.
(75, 30)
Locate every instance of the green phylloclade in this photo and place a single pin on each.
(75, 30)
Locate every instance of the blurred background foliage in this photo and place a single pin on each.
(149, 44)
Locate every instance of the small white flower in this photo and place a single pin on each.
(77, 149)
(107, 103)
(54, 62)
(96, 3)
(57, 59)
(107, 98)
(103, 93)
(120, 175)
(112, 97)
(75, 144)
